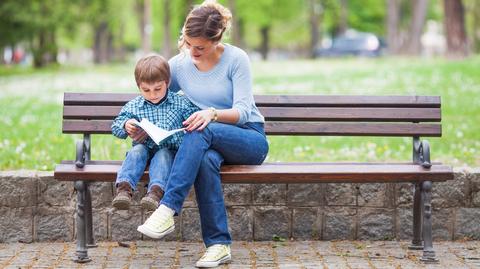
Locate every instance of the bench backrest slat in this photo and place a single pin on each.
(288, 114)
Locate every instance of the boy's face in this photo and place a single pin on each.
(153, 92)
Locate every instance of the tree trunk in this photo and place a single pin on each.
(393, 20)
(419, 8)
(315, 13)
(236, 31)
(343, 25)
(44, 48)
(476, 26)
(454, 22)
(100, 51)
(264, 47)
(38, 49)
(143, 8)
(147, 27)
(167, 41)
(120, 51)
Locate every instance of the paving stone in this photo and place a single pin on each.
(54, 223)
(340, 194)
(468, 223)
(246, 254)
(16, 224)
(240, 223)
(306, 194)
(124, 223)
(339, 223)
(269, 194)
(306, 223)
(375, 195)
(375, 224)
(270, 222)
(237, 194)
(18, 189)
(191, 230)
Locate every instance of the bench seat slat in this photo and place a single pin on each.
(283, 173)
(119, 99)
(293, 128)
(291, 114)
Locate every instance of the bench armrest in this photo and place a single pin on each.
(425, 154)
(80, 154)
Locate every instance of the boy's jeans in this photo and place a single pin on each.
(136, 161)
(198, 162)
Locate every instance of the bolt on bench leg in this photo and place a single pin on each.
(417, 242)
(81, 252)
(88, 218)
(428, 252)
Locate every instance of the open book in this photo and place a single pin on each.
(156, 133)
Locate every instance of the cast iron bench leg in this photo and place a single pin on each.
(428, 252)
(417, 242)
(82, 252)
(88, 217)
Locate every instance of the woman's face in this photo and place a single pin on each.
(200, 48)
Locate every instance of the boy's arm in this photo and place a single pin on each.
(118, 124)
(189, 109)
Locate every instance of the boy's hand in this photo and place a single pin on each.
(198, 120)
(135, 133)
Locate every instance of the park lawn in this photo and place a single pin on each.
(30, 105)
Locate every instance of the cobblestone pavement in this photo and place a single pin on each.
(293, 254)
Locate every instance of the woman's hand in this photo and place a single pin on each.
(135, 133)
(198, 120)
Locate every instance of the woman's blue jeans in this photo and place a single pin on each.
(134, 165)
(198, 162)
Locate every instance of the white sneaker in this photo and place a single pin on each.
(214, 256)
(159, 224)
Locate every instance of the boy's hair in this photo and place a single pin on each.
(152, 69)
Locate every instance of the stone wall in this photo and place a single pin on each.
(36, 207)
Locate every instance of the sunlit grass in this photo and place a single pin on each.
(30, 105)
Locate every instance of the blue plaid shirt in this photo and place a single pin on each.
(167, 115)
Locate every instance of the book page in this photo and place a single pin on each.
(156, 133)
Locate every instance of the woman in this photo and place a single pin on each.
(229, 128)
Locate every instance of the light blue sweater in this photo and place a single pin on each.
(226, 85)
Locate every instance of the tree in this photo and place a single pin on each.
(167, 50)
(476, 26)
(393, 23)
(315, 7)
(36, 23)
(419, 8)
(143, 9)
(264, 14)
(237, 38)
(454, 23)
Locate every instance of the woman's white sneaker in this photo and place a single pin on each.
(214, 256)
(159, 224)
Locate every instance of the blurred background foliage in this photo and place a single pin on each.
(103, 31)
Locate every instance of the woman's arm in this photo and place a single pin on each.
(200, 119)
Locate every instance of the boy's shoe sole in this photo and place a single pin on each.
(148, 204)
(152, 234)
(211, 264)
(121, 203)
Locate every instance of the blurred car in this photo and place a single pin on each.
(353, 43)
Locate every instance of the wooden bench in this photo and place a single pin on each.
(314, 115)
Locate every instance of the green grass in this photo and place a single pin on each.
(30, 105)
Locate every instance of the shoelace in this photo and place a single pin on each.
(214, 251)
(158, 219)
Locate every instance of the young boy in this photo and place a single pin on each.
(165, 109)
